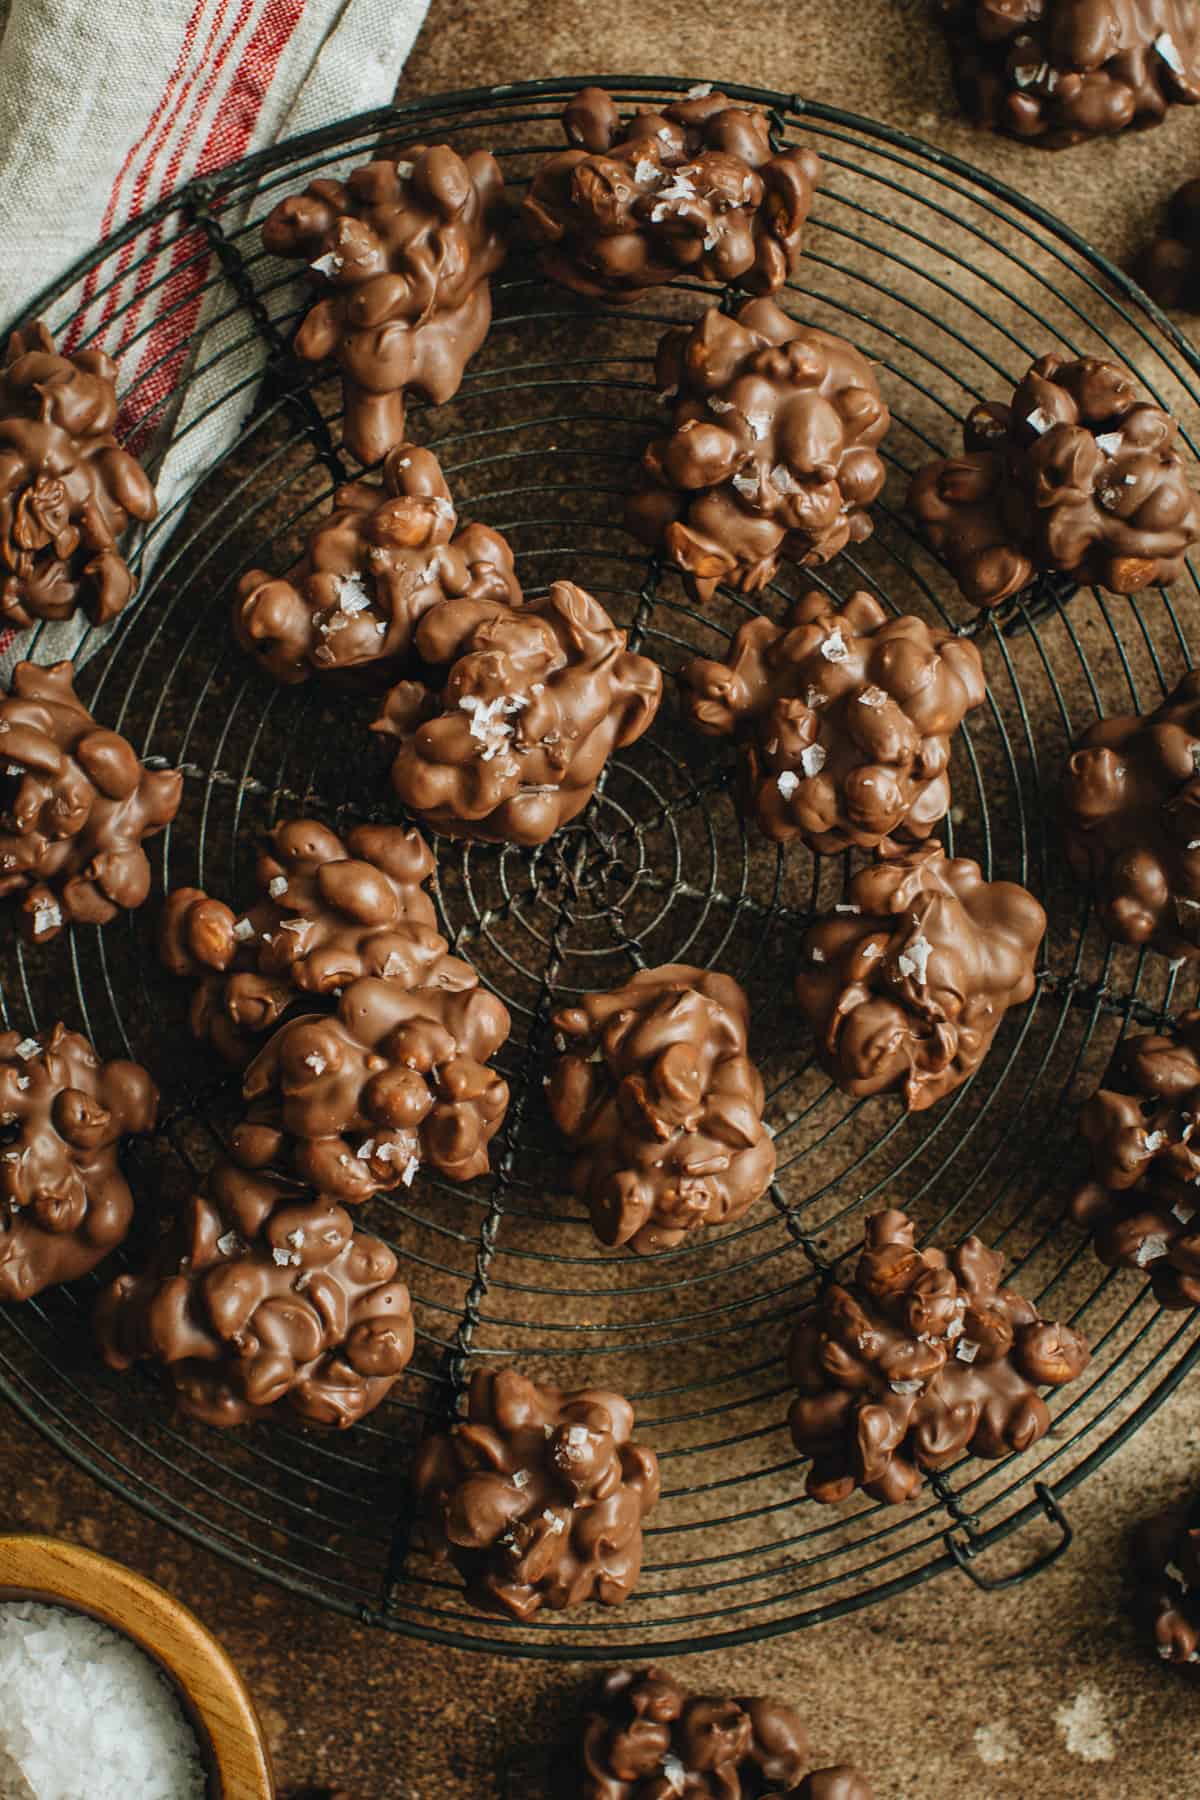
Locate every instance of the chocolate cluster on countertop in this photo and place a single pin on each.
(646, 1737)
(1131, 821)
(75, 807)
(64, 1203)
(533, 702)
(694, 189)
(905, 984)
(1142, 1204)
(356, 1101)
(372, 568)
(262, 1298)
(656, 1095)
(773, 449)
(1169, 266)
(538, 1496)
(328, 910)
(843, 720)
(916, 1359)
(1165, 1558)
(67, 489)
(1056, 72)
(403, 250)
(1081, 475)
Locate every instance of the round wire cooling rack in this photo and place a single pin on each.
(952, 283)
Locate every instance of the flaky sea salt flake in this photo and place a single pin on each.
(833, 648)
(1168, 49)
(329, 264)
(1151, 1249)
(1041, 420)
(914, 959)
(1109, 442)
(966, 1350)
(243, 930)
(812, 759)
(352, 596)
(787, 783)
(28, 1047)
(701, 91)
(276, 887)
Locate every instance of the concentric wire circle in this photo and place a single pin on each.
(952, 284)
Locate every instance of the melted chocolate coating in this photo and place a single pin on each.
(67, 489)
(75, 807)
(261, 1299)
(403, 251)
(695, 189)
(1142, 1204)
(1165, 1558)
(538, 1497)
(1056, 72)
(657, 1096)
(906, 984)
(387, 552)
(648, 1738)
(1131, 822)
(534, 701)
(1079, 476)
(64, 1203)
(772, 450)
(327, 912)
(916, 1359)
(1169, 266)
(356, 1101)
(843, 719)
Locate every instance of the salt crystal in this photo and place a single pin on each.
(13, 769)
(784, 481)
(554, 1524)
(410, 1169)
(393, 966)
(674, 1774)
(296, 1238)
(967, 1350)
(812, 759)
(914, 959)
(905, 1387)
(747, 486)
(243, 929)
(284, 1258)
(520, 1478)
(1183, 1213)
(665, 135)
(815, 955)
(846, 907)
(1175, 1573)
(487, 721)
(366, 1150)
(645, 170)
(87, 1711)
(316, 1062)
(1110, 443)
(1155, 1141)
(352, 596)
(329, 264)
(381, 627)
(23, 1084)
(787, 783)
(1029, 74)
(276, 887)
(833, 648)
(872, 696)
(577, 1441)
(717, 405)
(230, 1244)
(954, 1330)
(296, 925)
(46, 917)
(1167, 48)
(404, 171)
(711, 240)
(1152, 1247)
(28, 1047)
(1164, 1650)
(701, 91)
(1041, 420)
(814, 699)
(759, 423)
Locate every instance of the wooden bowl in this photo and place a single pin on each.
(214, 1698)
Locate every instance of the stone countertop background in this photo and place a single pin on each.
(948, 1694)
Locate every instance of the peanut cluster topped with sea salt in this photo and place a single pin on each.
(538, 1496)
(1142, 1204)
(906, 982)
(916, 1359)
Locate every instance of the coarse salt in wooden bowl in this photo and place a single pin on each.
(218, 1708)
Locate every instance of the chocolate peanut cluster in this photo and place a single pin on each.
(533, 701)
(403, 250)
(657, 1097)
(1131, 821)
(648, 1738)
(263, 1299)
(1080, 475)
(538, 1496)
(356, 1101)
(1169, 267)
(64, 1203)
(1142, 1204)
(906, 983)
(67, 489)
(917, 1359)
(329, 910)
(773, 449)
(372, 568)
(1056, 72)
(843, 719)
(75, 807)
(694, 189)
(1166, 1570)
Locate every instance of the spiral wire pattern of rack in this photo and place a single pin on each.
(952, 284)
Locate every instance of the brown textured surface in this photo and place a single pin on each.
(902, 1689)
